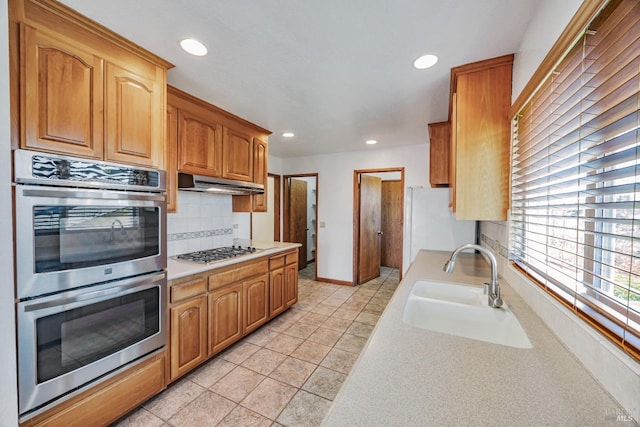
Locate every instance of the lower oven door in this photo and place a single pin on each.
(72, 338)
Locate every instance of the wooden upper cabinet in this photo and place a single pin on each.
(172, 158)
(260, 174)
(199, 144)
(62, 96)
(439, 142)
(237, 149)
(135, 110)
(481, 131)
(80, 89)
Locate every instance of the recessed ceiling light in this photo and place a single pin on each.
(288, 134)
(372, 141)
(194, 47)
(425, 61)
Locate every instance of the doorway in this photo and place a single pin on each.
(378, 222)
(301, 217)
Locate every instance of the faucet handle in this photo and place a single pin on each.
(485, 288)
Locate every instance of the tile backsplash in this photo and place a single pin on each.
(203, 221)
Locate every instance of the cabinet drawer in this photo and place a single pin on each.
(291, 257)
(183, 291)
(276, 262)
(232, 274)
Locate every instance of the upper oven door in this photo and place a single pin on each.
(67, 237)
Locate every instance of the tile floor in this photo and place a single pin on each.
(285, 373)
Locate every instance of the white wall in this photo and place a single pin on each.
(335, 196)
(262, 226)
(8, 389)
(615, 370)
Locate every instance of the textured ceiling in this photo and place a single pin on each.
(335, 72)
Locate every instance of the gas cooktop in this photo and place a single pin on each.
(216, 254)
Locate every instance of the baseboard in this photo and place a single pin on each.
(333, 281)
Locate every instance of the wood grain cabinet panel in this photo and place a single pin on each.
(277, 302)
(255, 302)
(291, 284)
(260, 173)
(172, 158)
(188, 335)
(62, 96)
(439, 143)
(135, 111)
(199, 144)
(237, 155)
(225, 317)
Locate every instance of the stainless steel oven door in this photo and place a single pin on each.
(69, 237)
(73, 338)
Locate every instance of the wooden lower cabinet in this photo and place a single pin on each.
(276, 292)
(283, 282)
(291, 284)
(188, 335)
(107, 402)
(255, 302)
(225, 317)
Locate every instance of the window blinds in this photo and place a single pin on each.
(575, 208)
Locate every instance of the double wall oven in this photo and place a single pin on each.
(90, 272)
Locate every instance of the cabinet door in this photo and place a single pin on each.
(276, 292)
(172, 159)
(225, 317)
(439, 142)
(62, 96)
(291, 284)
(260, 172)
(237, 160)
(199, 144)
(135, 118)
(256, 302)
(188, 335)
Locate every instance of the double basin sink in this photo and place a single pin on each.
(462, 310)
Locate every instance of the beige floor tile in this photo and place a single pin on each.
(172, 400)
(310, 351)
(325, 336)
(354, 305)
(261, 336)
(301, 330)
(237, 384)
(333, 301)
(352, 343)
(280, 324)
(373, 309)
(305, 410)
(269, 398)
(345, 313)
(306, 305)
(345, 292)
(284, 344)
(325, 382)
(339, 360)
(264, 361)
(368, 318)
(293, 371)
(139, 418)
(327, 310)
(239, 352)
(337, 324)
(313, 319)
(360, 329)
(241, 416)
(211, 371)
(208, 409)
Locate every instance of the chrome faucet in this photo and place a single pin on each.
(494, 299)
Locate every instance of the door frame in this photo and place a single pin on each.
(356, 216)
(277, 192)
(285, 210)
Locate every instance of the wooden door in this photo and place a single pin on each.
(63, 96)
(298, 218)
(135, 117)
(237, 153)
(188, 335)
(370, 228)
(225, 317)
(255, 302)
(199, 144)
(260, 172)
(391, 219)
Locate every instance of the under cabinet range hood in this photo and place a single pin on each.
(207, 184)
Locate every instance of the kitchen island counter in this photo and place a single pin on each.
(177, 269)
(409, 376)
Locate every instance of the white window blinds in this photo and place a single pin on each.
(575, 209)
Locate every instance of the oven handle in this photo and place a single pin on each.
(76, 194)
(58, 300)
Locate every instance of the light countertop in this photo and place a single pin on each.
(406, 376)
(178, 268)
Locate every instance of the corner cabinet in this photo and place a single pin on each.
(211, 142)
(83, 90)
(480, 138)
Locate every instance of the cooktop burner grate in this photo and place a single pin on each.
(216, 254)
